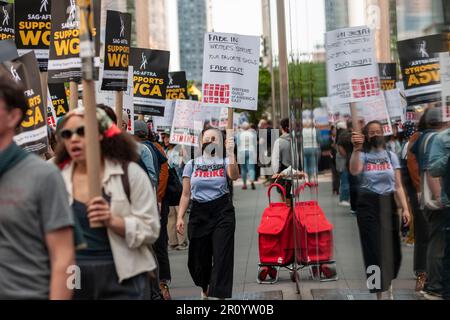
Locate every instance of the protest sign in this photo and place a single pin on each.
(388, 76)
(419, 60)
(58, 97)
(375, 109)
(445, 80)
(352, 71)
(187, 123)
(32, 134)
(51, 116)
(6, 20)
(177, 86)
(117, 51)
(65, 62)
(395, 107)
(109, 100)
(33, 28)
(231, 70)
(162, 124)
(151, 70)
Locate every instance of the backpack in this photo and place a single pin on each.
(174, 188)
(158, 158)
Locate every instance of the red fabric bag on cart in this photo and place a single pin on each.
(276, 241)
(315, 240)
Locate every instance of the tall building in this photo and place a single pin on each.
(194, 20)
(336, 14)
(157, 31)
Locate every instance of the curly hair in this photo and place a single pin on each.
(120, 148)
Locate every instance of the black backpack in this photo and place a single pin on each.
(174, 188)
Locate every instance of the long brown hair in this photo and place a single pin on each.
(120, 148)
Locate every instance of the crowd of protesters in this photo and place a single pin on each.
(157, 197)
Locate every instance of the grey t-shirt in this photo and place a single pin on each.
(33, 202)
(378, 175)
(208, 178)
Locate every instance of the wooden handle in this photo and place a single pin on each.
(355, 118)
(73, 99)
(92, 143)
(119, 108)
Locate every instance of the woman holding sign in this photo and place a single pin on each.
(378, 221)
(212, 219)
(117, 260)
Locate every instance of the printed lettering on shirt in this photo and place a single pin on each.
(209, 171)
(378, 165)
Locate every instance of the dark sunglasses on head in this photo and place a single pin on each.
(67, 133)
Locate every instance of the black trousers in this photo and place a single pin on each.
(421, 228)
(99, 281)
(211, 246)
(160, 247)
(446, 260)
(354, 186)
(379, 230)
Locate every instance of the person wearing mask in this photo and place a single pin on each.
(247, 155)
(439, 167)
(212, 220)
(377, 216)
(117, 260)
(311, 149)
(434, 216)
(36, 232)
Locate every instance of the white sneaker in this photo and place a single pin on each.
(432, 296)
(344, 204)
(204, 296)
(390, 293)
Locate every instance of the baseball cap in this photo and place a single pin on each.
(140, 128)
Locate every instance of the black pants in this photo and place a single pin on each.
(446, 260)
(161, 245)
(99, 281)
(354, 186)
(421, 229)
(435, 253)
(335, 176)
(211, 246)
(379, 229)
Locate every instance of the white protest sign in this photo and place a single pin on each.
(51, 115)
(231, 70)
(165, 123)
(352, 69)
(445, 83)
(187, 123)
(395, 106)
(376, 109)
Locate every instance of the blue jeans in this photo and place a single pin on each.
(248, 168)
(311, 161)
(344, 191)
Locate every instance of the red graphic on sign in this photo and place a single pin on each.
(216, 93)
(366, 87)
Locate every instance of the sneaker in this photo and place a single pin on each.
(182, 247)
(244, 188)
(253, 186)
(344, 204)
(165, 291)
(204, 296)
(420, 282)
(390, 293)
(353, 212)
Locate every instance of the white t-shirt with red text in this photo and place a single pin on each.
(208, 178)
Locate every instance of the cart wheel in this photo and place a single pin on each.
(328, 270)
(273, 273)
(262, 273)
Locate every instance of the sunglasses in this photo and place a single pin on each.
(67, 133)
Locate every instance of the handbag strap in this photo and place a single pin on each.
(277, 185)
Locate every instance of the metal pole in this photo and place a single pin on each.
(282, 58)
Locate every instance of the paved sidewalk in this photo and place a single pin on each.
(351, 285)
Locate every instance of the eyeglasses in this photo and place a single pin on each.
(67, 133)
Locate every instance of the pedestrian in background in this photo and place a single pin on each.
(247, 154)
(311, 149)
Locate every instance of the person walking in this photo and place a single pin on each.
(36, 223)
(247, 154)
(377, 216)
(117, 260)
(335, 178)
(311, 149)
(212, 220)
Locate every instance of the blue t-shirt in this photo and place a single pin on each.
(378, 174)
(208, 178)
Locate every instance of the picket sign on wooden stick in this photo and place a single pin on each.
(73, 99)
(119, 108)
(356, 124)
(87, 53)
